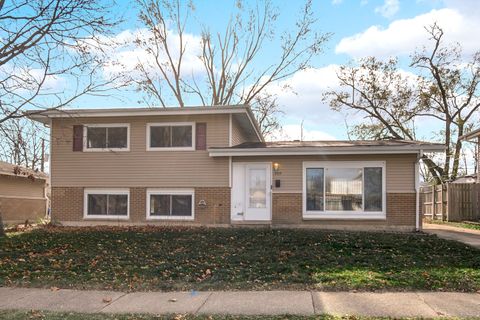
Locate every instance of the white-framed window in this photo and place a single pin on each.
(106, 137)
(164, 136)
(102, 203)
(170, 204)
(344, 190)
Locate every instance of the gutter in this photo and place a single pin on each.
(226, 152)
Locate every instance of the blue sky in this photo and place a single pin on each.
(359, 27)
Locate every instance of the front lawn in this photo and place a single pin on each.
(222, 259)
(47, 315)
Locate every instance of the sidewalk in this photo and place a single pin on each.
(388, 304)
(467, 236)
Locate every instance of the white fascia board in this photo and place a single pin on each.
(326, 151)
(128, 113)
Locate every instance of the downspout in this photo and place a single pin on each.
(417, 191)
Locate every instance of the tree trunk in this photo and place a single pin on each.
(2, 231)
(458, 150)
(448, 151)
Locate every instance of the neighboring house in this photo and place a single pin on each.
(474, 136)
(469, 178)
(23, 194)
(211, 166)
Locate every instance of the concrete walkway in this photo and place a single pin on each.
(467, 236)
(399, 304)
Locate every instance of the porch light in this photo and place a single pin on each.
(276, 166)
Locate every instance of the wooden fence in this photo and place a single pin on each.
(451, 202)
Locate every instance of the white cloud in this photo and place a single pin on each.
(403, 36)
(336, 2)
(127, 49)
(301, 99)
(389, 8)
(294, 132)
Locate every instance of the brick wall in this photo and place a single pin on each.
(18, 210)
(287, 209)
(67, 206)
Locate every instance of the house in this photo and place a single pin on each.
(474, 136)
(211, 166)
(23, 194)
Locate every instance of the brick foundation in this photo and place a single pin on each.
(67, 207)
(287, 210)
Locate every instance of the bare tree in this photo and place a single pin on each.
(23, 142)
(450, 91)
(40, 49)
(392, 102)
(229, 73)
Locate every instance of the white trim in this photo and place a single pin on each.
(230, 172)
(349, 215)
(230, 129)
(170, 124)
(24, 197)
(124, 112)
(322, 151)
(114, 191)
(161, 191)
(104, 125)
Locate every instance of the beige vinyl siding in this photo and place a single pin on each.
(138, 167)
(238, 135)
(400, 169)
(20, 187)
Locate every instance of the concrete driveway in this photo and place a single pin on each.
(467, 236)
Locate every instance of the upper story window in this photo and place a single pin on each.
(344, 189)
(106, 137)
(171, 136)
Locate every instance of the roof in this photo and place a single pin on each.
(327, 147)
(242, 113)
(471, 135)
(8, 169)
(469, 178)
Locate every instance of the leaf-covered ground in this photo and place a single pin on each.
(208, 259)
(46, 315)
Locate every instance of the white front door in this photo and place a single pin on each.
(257, 192)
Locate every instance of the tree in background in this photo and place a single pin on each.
(43, 65)
(229, 73)
(392, 102)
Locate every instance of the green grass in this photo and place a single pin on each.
(45, 315)
(223, 259)
(465, 224)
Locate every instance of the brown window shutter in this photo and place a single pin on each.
(77, 138)
(201, 136)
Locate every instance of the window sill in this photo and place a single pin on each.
(106, 218)
(171, 149)
(156, 218)
(106, 150)
(344, 216)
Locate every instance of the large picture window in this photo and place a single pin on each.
(106, 137)
(170, 136)
(170, 204)
(106, 204)
(344, 190)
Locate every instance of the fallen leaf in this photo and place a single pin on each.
(54, 288)
(172, 300)
(107, 300)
